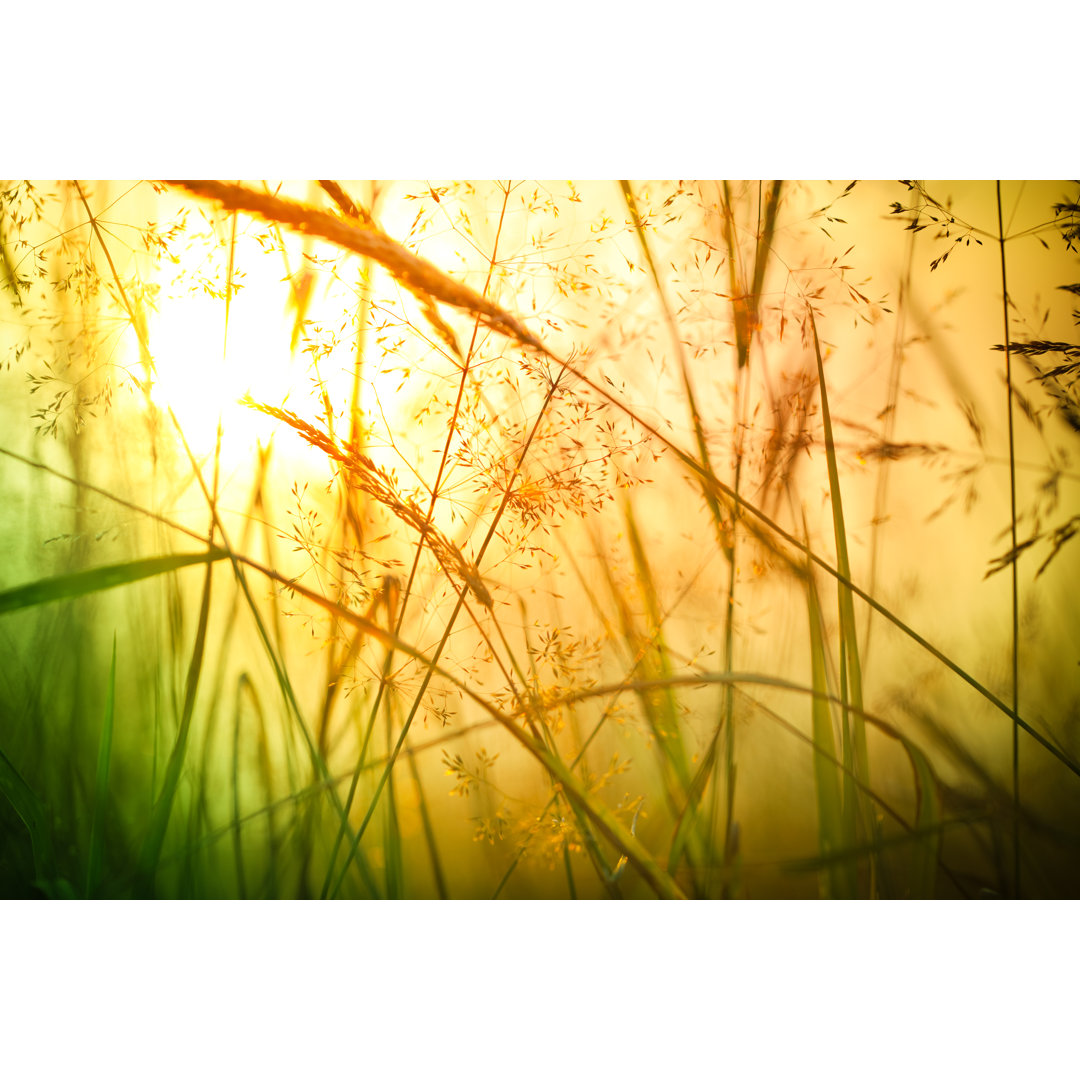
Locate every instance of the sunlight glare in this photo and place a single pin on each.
(201, 382)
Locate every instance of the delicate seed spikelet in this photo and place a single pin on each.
(377, 483)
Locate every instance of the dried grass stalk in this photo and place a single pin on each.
(420, 277)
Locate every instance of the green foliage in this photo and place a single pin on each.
(101, 787)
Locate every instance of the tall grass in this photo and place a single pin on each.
(554, 572)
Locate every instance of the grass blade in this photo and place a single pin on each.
(839, 881)
(662, 709)
(694, 793)
(101, 786)
(928, 825)
(854, 749)
(1015, 585)
(162, 809)
(395, 869)
(69, 586)
(848, 628)
(238, 846)
(429, 831)
(930, 834)
(34, 816)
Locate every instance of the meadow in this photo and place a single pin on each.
(539, 540)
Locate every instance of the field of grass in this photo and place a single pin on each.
(539, 540)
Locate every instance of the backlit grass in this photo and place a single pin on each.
(567, 541)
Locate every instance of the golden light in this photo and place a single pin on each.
(291, 338)
(204, 369)
(203, 382)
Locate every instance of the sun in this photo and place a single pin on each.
(290, 338)
(203, 374)
(209, 356)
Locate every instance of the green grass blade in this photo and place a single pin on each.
(101, 786)
(280, 673)
(608, 878)
(660, 705)
(928, 825)
(920, 836)
(33, 814)
(569, 870)
(266, 772)
(238, 846)
(395, 867)
(646, 652)
(685, 824)
(70, 586)
(150, 853)
(764, 247)
(384, 682)
(839, 879)
(1005, 301)
(429, 831)
(663, 708)
(848, 628)
(851, 690)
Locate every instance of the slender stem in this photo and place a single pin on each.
(451, 432)
(1015, 605)
(136, 323)
(432, 664)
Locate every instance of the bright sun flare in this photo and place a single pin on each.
(202, 381)
(202, 374)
